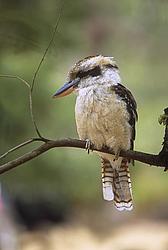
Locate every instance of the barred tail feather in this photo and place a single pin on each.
(117, 184)
(122, 187)
(107, 180)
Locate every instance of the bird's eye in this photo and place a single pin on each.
(96, 71)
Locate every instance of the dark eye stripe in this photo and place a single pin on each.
(111, 66)
(92, 72)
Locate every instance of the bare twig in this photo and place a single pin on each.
(18, 78)
(150, 159)
(30, 98)
(21, 145)
(32, 114)
(37, 71)
(15, 148)
(47, 49)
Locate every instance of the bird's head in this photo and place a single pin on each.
(90, 71)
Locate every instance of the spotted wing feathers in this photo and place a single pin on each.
(126, 96)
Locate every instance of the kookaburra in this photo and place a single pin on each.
(105, 115)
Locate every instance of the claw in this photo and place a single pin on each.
(88, 145)
(117, 154)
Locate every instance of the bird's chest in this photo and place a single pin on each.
(89, 111)
(100, 116)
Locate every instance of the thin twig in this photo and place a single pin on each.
(30, 98)
(16, 147)
(47, 49)
(37, 71)
(22, 145)
(17, 77)
(32, 114)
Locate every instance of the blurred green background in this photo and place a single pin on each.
(136, 34)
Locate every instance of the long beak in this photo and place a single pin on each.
(67, 88)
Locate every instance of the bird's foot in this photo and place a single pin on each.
(89, 146)
(117, 154)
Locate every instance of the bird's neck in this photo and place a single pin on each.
(108, 78)
(112, 76)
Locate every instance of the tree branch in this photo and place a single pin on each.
(150, 159)
(158, 160)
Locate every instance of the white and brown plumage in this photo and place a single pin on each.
(105, 115)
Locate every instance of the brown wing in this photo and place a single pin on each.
(131, 105)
